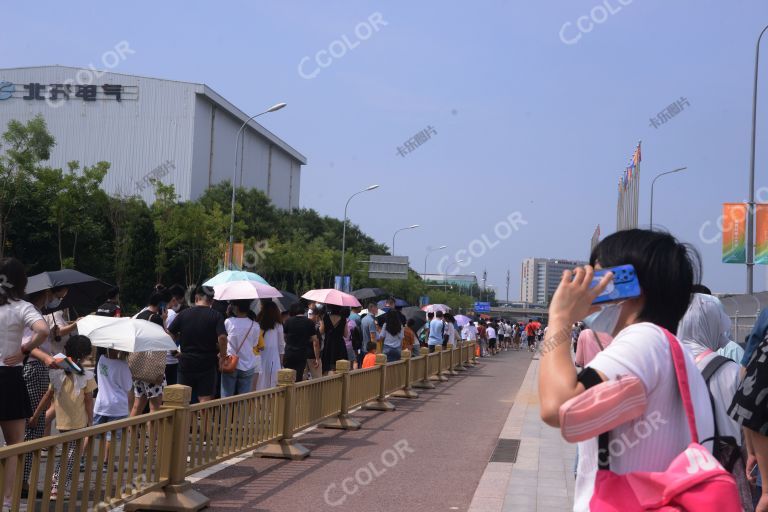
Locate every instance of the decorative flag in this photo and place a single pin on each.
(761, 234)
(734, 233)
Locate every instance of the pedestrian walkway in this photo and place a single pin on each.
(427, 455)
(541, 479)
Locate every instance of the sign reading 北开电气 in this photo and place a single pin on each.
(35, 91)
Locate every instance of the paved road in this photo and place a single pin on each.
(428, 455)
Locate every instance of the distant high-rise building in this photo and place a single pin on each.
(540, 277)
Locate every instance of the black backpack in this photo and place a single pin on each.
(357, 338)
(725, 448)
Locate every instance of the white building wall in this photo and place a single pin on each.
(135, 135)
(172, 128)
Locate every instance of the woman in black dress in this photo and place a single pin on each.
(334, 330)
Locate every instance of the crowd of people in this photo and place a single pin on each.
(53, 375)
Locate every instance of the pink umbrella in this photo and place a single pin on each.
(331, 296)
(431, 308)
(236, 290)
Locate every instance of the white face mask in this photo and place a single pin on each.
(606, 319)
(53, 303)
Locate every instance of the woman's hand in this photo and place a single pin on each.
(14, 359)
(573, 298)
(751, 463)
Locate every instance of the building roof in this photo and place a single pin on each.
(205, 91)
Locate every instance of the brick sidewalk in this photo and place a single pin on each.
(450, 433)
(541, 479)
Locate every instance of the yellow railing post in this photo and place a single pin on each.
(473, 353)
(406, 391)
(343, 420)
(286, 447)
(458, 361)
(451, 361)
(425, 382)
(439, 377)
(381, 403)
(178, 494)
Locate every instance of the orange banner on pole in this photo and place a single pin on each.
(761, 234)
(734, 233)
(238, 250)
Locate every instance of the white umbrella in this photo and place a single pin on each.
(126, 334)
(432, 308)
(237, 290)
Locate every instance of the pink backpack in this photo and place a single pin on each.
(694, 481)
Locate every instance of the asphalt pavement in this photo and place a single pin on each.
(427, 455)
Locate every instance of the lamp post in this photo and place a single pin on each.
(427, 255)
(414, 226)
(654, 182)
(445, 277)
(751, 207)
(344, 229)
(273, 108)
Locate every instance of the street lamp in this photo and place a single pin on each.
(445, 277)
(751, 208)
(654, 182)
(344, 229)
(273, 108)
(427, 255)
(414, 226)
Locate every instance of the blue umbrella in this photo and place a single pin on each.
(234, 275)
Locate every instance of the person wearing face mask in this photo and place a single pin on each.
(36, 362)
(665, 269)
(704, 330)
(176, 304)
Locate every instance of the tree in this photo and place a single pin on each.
(27, 145)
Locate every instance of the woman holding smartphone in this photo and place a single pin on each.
(666, 270)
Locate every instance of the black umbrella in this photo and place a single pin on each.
(369, 293)
(286, 301)
(418, 316)
(84, 290)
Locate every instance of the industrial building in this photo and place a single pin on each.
(541, 276)
(180, 133)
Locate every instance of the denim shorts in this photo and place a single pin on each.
(98, 419)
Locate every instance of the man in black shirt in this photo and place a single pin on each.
(302, 346)
(202, 339)
(112, 306)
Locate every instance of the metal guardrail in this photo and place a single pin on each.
(137, 462)
(150, 455)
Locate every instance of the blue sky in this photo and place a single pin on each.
(525, 123)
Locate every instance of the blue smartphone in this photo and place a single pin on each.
(624, 285)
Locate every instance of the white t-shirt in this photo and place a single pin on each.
(14, 317)
(169, 357)
(115, 382)
(472, 332)
(490, 332)
(650, 442)
(237, 328)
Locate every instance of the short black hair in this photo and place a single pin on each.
(159, 296)
(430, 314)
(204, 292)
(370, 347)
(410, 322)
(700, 288)
(113, 292)
(13, 280)
(242, 305)
(296, 309)
(78, 347)
(439, 314)
(665, 267)
(177, 291)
